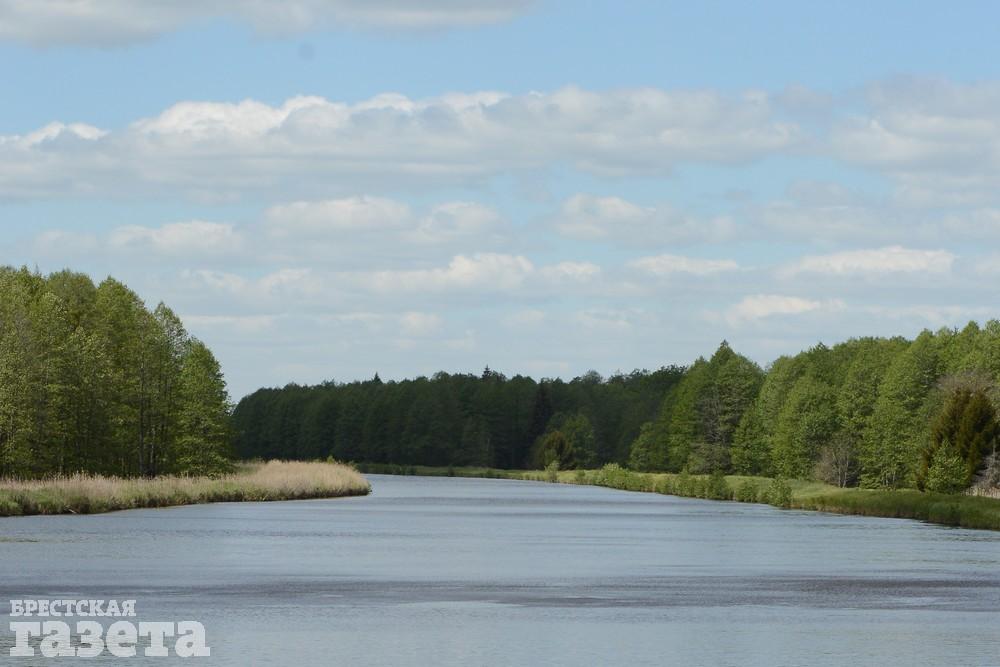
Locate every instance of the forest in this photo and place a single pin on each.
(93, 381)
(474, 420)
(871, 412)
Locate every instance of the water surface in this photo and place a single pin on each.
(447, 571)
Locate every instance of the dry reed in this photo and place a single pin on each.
(90, 494)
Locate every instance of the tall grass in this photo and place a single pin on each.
(90, 494)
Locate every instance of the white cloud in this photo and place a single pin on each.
(988, 265)
(666, 265)
(487, 272)
(178, 238)
(931, 315)
(316, 219)
(242, 324)
(760, 306)
(54, 132)
(938, 140)
(610, 321)
(458, 221)
(590, 218)
(571, 272)
(58, 243)
(275, 286)
(110, 22)
(420, 324)
(881, 261)
(477, 274)
(310, 145)
(387, 221)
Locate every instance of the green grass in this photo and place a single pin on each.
(951, 510)
(91, 494)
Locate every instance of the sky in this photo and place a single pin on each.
(326, 189)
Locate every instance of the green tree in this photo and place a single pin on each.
(203, 442)
(646, 454)
(477, 443)
(946, 472)
(897, 430)
(805, 425)
(555, 447)
(967, 427)
(752, 442)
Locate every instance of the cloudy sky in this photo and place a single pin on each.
(324, 189)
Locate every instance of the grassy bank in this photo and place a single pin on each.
(950, 510)
(88, 494)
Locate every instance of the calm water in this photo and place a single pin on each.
(431, 571)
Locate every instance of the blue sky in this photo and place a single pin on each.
(330, 188)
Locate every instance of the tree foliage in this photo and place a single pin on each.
(859, 412)
(966, 430)
(93, 381)
(455, 419)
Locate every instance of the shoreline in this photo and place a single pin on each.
(960, 511)
(251, 482)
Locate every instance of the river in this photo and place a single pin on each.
(447, 571)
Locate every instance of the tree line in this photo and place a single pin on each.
(874, 412)
(93, 381)
(488, 419)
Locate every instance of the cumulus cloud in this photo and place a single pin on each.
(477, 275)
(939, 140)
(112, 22)
(874, 262)
(459, 221)
(308, 144)
(318, 219)
(357, 231)
(488, 272)
(591, 218)
(666, 265)
(343, 221)
(276, 288)
(761, 306)
(179, 238)
(571, 272)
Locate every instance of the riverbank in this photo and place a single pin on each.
(950, 510)
(252, 482)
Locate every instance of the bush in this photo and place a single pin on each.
(665, 486)
(947, 472)
(614, 476)
(779, 493)
(683, 484)
(747, 492)
(717, 488)
(552, 472)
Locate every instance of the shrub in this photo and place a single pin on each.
(613, 475)
(779, 493)
(747, 492)
(683, 484)
(665, 486)
(717, 488)
(552, 472)
(947, 472)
